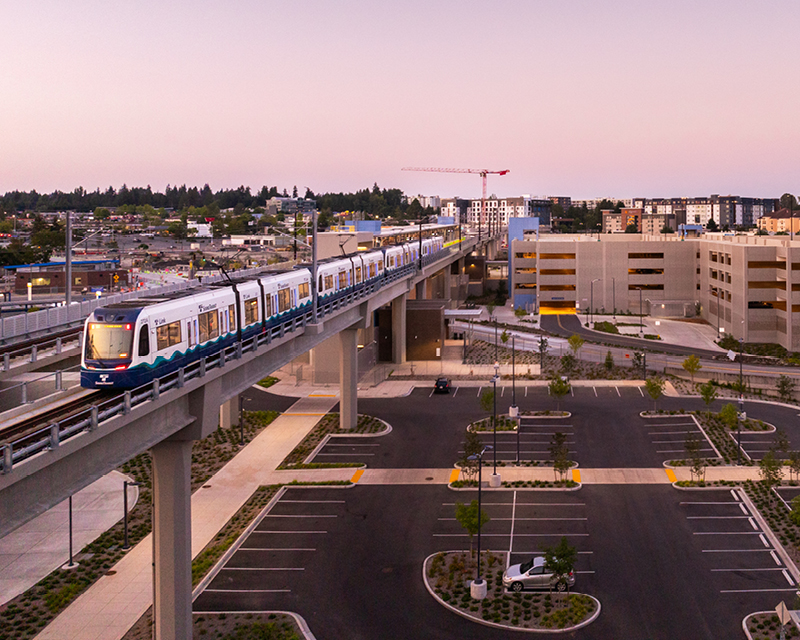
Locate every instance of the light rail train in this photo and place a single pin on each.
(130, 343)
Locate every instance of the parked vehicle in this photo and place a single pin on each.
(533, 575)
(442, 385)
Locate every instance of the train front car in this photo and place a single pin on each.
(108, 352)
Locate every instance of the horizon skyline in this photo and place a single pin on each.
(576, 97)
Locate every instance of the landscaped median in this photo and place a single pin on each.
(302, 456)
(447, 577)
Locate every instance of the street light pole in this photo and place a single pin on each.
(494, 416)
(614, 297)
(741, 403)
(591, 303)
(478, 590)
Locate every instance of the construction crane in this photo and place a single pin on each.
(481, 172)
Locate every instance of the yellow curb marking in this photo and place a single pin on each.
(576, 475)
(454, 474)
(357, 476)
(321, 395)
(671, 475)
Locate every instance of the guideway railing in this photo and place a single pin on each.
(49, 438)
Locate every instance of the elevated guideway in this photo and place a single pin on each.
(42, 469)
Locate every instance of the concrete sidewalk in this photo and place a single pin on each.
(115, 602)
(41, 546)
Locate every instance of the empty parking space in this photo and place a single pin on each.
(349, 449)
(668, 436)
(532, 442)
(737, 552)
(521, 524)
(275, 557)
(755, 444)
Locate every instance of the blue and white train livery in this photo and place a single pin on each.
(130, 343)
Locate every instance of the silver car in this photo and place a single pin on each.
(532, 575)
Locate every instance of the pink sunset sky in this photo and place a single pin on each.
(579, 98)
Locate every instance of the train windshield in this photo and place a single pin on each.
(109, 341)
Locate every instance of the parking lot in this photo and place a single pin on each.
(534, 439)
(668, 435)
(738, 554)
(521, 524)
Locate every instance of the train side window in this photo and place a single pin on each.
(144, 341)
(190, 333)
(209, 325)
(302, 290)
(232, 314)
(284, 299)
(251, 311)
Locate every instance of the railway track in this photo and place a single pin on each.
(62, 415)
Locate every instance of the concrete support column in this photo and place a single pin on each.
(172, 539)
(422, 289)
(348, 379)
(229, 413)
(399, 329)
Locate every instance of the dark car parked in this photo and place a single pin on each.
(442, 386)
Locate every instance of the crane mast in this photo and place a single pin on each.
(483, 173)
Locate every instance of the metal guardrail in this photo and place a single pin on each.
(50, 437)
(35, 351)
(26, 323)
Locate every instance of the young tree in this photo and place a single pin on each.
(473, 445)
(692, 365)
(692, 446)
(729, 415)
(490, 308)
(467, 517)
(560, 561)
(568, 363)
(770, 470)
(655, 389)
(542, 351)
(558, 389)
(785, 388)
(575, 343)
(559, 453)
(609, 363)
(780, 442)
(504, 337)
(519, 312)
(708, 392)
(794, 464)
(487, 400)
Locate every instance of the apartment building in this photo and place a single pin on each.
(781, 221)
(748, 286)
(499, 210)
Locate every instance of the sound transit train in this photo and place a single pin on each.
(130, 343)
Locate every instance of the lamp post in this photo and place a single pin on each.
(71, 562)
(495, 341)
(478, 588)
(741, 403)
(641, 314)
(614, 297)
(591, 303)
(125, 485)
(495, 480)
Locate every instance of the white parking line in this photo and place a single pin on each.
(764, 540)
(753, 524)
(737, 551)
(511, 541)
(738, 570)
(755, 590)
(775, 558)
(479, 392)
(744, 510)
(519, 535)
(502, 391)
(292, 532)
(272, 549)
(640, 391)
(247, 591)
(313, 501)
(788, 578)
(349, 444)
(344, 454)
(595, 391)
(717, 517)
(526, 392)
(455, 392)
(512, 519)
(618, 393)
(289, 515)
(262, 569)
(725, 533)
(525, 504)
(431, 393)
(690, 503)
